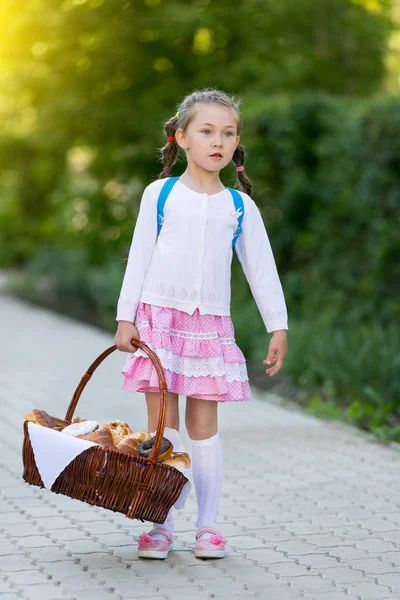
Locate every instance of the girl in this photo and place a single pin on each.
(175, 297)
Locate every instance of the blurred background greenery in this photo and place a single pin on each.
(84, 88)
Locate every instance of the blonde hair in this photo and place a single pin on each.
(185, 111)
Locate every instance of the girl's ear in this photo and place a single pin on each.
(180, 138)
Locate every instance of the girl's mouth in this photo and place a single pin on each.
(216, 156)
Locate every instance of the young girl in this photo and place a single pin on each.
(175, 297)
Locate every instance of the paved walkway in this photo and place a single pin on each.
(310, 508)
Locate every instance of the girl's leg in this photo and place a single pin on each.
(153, 410)
(207, 459)
(172, 420)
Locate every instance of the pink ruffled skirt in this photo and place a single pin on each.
(198, 353)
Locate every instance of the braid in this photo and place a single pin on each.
(169, 152)
(238, 158)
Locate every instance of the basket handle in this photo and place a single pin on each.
(163, 389)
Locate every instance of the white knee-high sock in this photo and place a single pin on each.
(173, 436)
(207, 464)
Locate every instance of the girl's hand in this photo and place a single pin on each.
(277, 351)
(125, 333)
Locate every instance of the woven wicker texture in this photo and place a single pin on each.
(141, 488)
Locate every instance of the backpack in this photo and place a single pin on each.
(166, 189)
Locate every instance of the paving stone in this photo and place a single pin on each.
(278, 591)
(115, 539)
(375, 545)
(43, 510)
(315, 584)
(339, 574)
(180, 595)
(6, 588)
(45, 592)
(301, 528)
(266, 556)
(295, 547)
(315, 561)
(323, 510)
(54, 523)
(328, 541)
(28, 576)
(84, 546)
(368, 590)
(334, 596)
(98, 528)
(34, 541)
(12, 518)
(8, 546)
(256, 576)
(273, 534)
(245, 542)
(391, 579)
(345, 553)
(287, 569)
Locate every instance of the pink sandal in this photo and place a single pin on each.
(151, 548)
(213, 547)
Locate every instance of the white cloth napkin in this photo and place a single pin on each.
(54, 451)
(173, 436)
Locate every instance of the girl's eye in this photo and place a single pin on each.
(208, 131)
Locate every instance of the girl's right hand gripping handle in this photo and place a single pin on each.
(163, 390)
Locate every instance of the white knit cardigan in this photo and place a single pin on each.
(188, 265)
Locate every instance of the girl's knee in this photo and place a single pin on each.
(201, 418)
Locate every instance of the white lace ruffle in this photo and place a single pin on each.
(213, 366)
(192, 335)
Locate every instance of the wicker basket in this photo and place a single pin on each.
(141, 488)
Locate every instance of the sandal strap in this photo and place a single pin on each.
(206, 529)
(162, 531)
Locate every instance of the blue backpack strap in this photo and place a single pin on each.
(164, 193)
(238, 201)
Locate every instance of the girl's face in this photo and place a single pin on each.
(211, 136)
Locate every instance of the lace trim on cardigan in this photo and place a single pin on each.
(159, 289)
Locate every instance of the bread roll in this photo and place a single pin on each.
(40, 417)
(141, 436)
(103, 436)
(128, 446)
(85, 436)
(178, 459)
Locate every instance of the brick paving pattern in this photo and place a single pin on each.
(310, 508)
